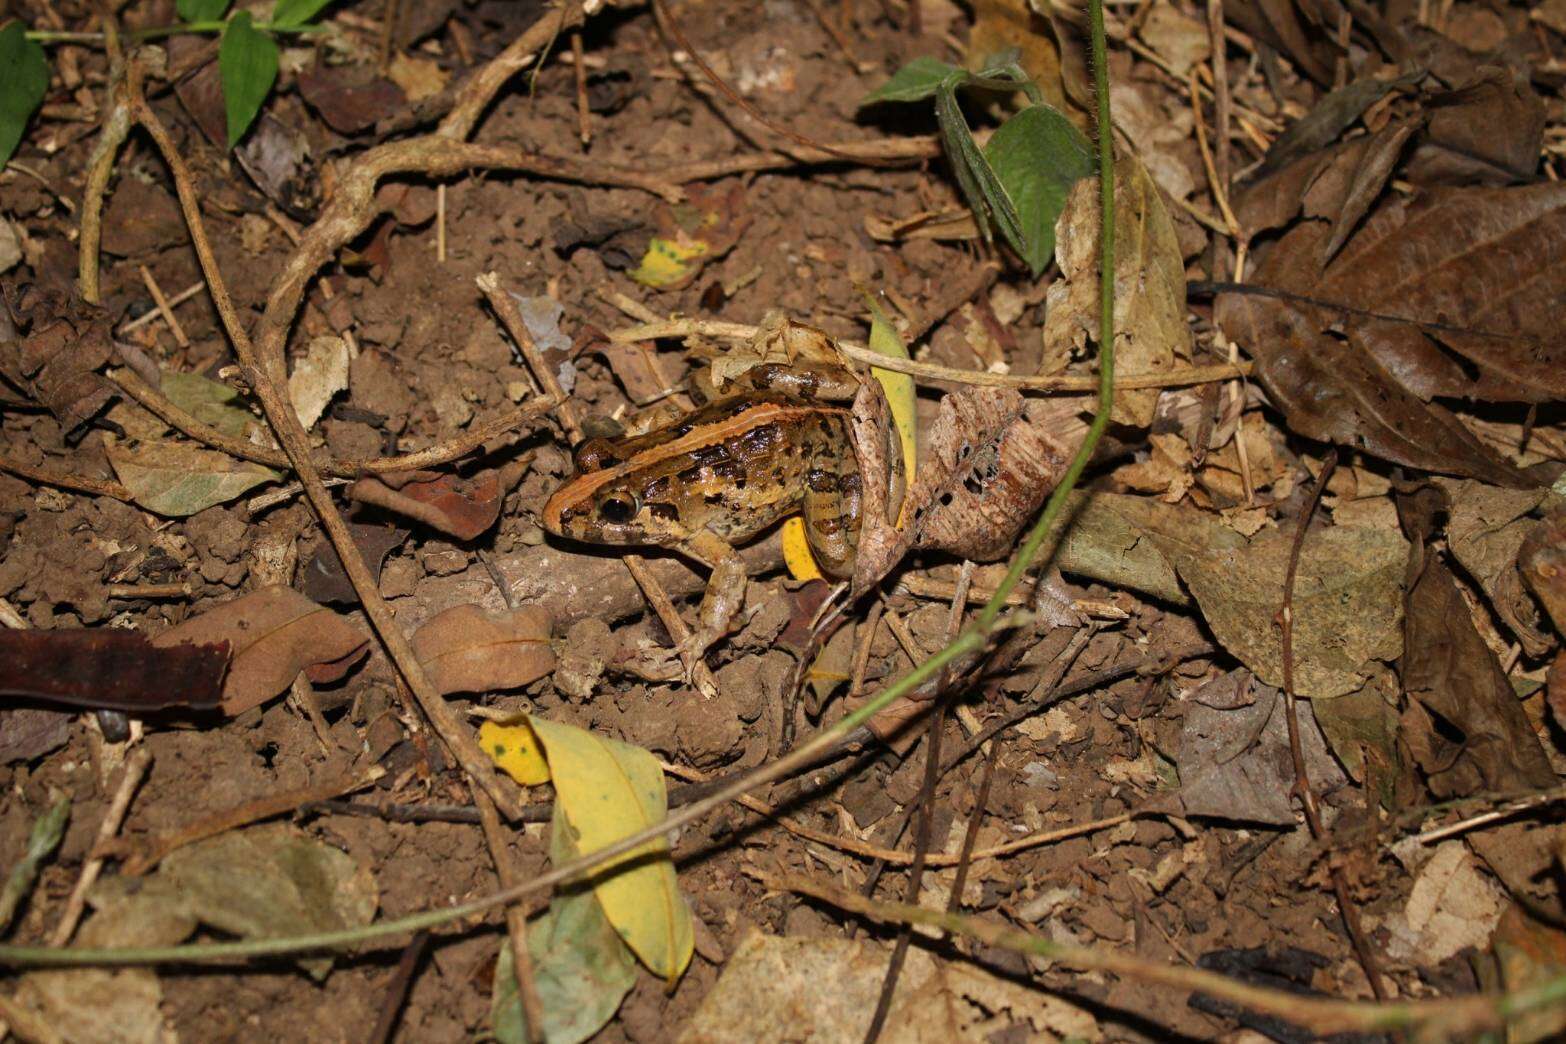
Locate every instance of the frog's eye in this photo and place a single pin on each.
(618, 509)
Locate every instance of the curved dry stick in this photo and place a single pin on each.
(266, 382)
(441, 453)
(77, 483)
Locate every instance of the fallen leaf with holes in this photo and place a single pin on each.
(465, 649)
(111, 668)
(55, 360)
(1150, 327)
(275, 632)
(605, 790)
(318, 375)
(1347, 603)
(1452, 906)
(1234, 761)
(826, 989)
(459, 506)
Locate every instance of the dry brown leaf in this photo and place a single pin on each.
(1150, 327)
(1488, 131)
(775, 989)
(465, 649)
(999, 25)
(460, 506)
(275, 632)
(1486, 529)
(65, 341)
(1452, 906)
(1347, 602)
(1542, 559)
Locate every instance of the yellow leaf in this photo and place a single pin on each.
(796, 551)
(668, 261)
(515, 750)
(899, 387)
(608, 790)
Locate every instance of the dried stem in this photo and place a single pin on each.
(1302, 787)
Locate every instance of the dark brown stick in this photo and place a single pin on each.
(1302, 787)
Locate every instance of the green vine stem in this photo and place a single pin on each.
(157, 32)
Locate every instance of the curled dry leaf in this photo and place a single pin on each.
(1150, 328)
(465, 649)
(55, 361)
(111, 668)
(318, 375)
(461, 507)
(1347, 603)
(275, 632)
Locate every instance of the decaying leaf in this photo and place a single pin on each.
(275, 633)
(111, 668)
(825, 989)
(1131, 542)
(178, 478)
(1486, 529)
(1361, 727)
(1234, 761)
(1347, 603)
(1487, 131)
(1150, 327)
(1000, 25)
(323, 578)
(65, 341)
(263, 882)
(318, 375)
(1450, 674)
(986, 471)
(460, 506)
(1475, 262)
(1542, 560)
(211, 402)
(1451, 907)
(465, 649)
(1529, 954)
(692, 235)
(606, 790)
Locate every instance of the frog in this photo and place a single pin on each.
(771, 436)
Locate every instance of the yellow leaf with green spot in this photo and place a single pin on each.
(514, 749)
(668, 262)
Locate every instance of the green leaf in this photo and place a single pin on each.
(1038, 155)
(247, 60)
(292, 14)
(210, 402)
(24, 80)
(918, 79)
(178, 479)
(581, 968)
(610, 789)
(201, 10)
(983, 190)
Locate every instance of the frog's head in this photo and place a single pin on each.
(609, 502)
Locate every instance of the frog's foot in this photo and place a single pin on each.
(691, 652)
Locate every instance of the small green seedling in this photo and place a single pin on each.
(1019, 181)
(247, 60)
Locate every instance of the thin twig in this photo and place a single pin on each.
(516, 918)
(113, 816)
(396, 993)
(267, 375)
(163, 307)
(152, 315)
(79, 483)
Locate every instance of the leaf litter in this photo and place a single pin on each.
(1401, 301)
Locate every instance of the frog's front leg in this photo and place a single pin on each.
(724, 598)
